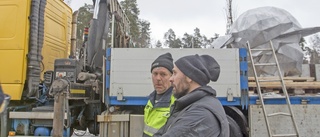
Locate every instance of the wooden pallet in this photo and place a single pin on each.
(293, 79)
(291, 83)
(303, 85)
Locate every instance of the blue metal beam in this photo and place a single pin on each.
(141, 101)
(137, 101)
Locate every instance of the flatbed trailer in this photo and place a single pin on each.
(128, 85)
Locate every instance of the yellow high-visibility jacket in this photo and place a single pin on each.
(156, 114)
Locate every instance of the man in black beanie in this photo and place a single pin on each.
(196, 112)
(157, 110)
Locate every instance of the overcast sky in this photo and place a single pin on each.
(209, 15)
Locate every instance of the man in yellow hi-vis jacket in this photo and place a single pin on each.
(160, 100)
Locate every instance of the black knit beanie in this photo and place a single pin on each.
(164, 60)
(200, 69)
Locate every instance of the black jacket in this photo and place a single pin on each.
(197, 114)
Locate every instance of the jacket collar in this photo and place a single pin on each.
(164, 101)
(193, 96)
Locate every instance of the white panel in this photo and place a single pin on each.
(136, 125)
(130, 69)
(317, 71)
(306, 116)
(305, 70)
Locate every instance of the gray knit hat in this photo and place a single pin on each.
(164, 60)
(200, 69)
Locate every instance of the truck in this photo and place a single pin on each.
(34, 34)
(106, 88)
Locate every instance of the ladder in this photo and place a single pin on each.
(266, 115)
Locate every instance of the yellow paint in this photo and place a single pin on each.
(14, 41)
(77, 91)
(57, 40)
(13, 90)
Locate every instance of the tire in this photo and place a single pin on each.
(235, 130)
(239, 118)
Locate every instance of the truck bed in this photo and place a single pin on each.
(130, 76)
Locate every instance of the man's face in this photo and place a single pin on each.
(160, 79)
(179, 82)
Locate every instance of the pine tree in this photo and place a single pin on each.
(84, 18)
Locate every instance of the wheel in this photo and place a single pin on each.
(239, 118)
(235, 130)
(93, 129)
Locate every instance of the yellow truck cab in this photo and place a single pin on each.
(33, 34)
